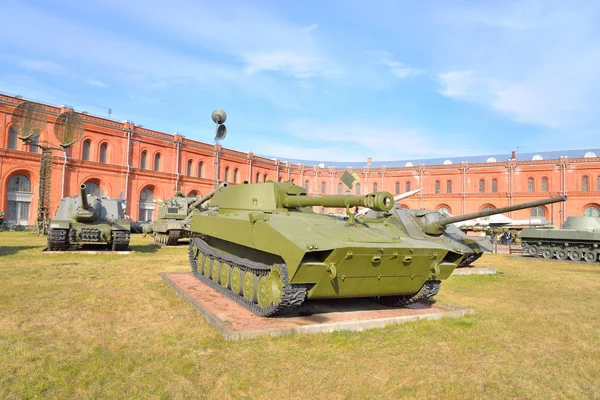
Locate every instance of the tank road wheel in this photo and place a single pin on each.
(224, 278)
(589, 256)
(427, 291)
(561, 254)
(575, 255)
(547, 252)
(58, 239)
(214, 270)
(270, 288)
(173, 237)
(236, 280)
(206, 261)
(533, 250)
(249, 286)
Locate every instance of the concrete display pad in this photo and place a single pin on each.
(474, 271)
(234, 322)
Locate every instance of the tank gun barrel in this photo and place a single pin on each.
(207, 196)
(83, 195)
(378, 201)
(450, 220)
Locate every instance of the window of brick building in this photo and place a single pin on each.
(257, 177)
(374, 187)
(584, 184)
(544, 184)
(530, 186)
(592, 211)
(143, 160)
(189, 167)
(12, 139)
(306, 185)
(481, 186)
(235, 175)
(85, 156)
(407, 186)
(538, 212)
(200, 169)
(449, 187)
(437, 187)
(157, 162)
(340, 188)
(226, 179)
(494, 185)
(103, 150)
(358, 188)
(397, 188)
(323, 187)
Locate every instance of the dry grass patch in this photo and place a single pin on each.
(91, 326)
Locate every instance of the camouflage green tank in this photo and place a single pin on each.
(263, 246)
(433, 225)
(89, 219)
(579, 239)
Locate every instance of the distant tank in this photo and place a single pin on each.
(263, 246)
(89, 219)
(173, 222)
(579, 239)
(436, 226)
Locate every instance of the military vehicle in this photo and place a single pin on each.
(436, 226)
(173, 222)
(578, 239)
(263, 246)
(88, 219)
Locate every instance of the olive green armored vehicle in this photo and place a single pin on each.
(173, 218)
(89, 219)
(434, 225)
(263, 246)
(579, 239)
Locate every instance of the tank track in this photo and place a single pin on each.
(170, 239)
(120, 240)
(292, 296)
(573, 251)
(58, 239)
(469, 260)
(427, 292)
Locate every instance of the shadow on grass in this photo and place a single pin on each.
(10, 250)
(145, 248)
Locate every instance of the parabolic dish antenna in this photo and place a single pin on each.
(28, 120)
(68, 128)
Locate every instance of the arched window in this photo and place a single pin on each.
(530, 187)
(340, 189)
(487, 208)
(374, 187)
(482, 186)
(397, 188)
(306, 185)
(407, 186)
(437, 187)
(444, 210)
(226, 174)
(494, 185)
(449, 187)
(538, 212)
(92, 188)
(19, 200)
(157, 162)
(143, 160)
(85, 156)
(147, 204)
(544, 184)
(257, 177)
(189, 168)
(358, 188)
(264, 177)
(192, 194)
(584, 184)
(235, 175)
(592, 211)
(200, 169)
(103, 150)
(33, 144)
(12, 138)
(323, 187)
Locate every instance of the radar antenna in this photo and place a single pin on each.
(219, 117)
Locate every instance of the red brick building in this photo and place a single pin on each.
(145, 165)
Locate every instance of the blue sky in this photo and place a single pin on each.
(335, 80)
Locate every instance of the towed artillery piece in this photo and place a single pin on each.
(89, 219)
(436, 226)
(173, 217)
(263, 246)
(578, 239)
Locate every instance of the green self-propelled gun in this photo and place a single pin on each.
(263, 246)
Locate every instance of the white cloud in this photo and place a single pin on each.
(95, 82)
(398, 69)
(47, 66)
(288, 62)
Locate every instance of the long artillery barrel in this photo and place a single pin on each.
(377, 201)
(433, 223)
(84, 201)
(207, 196)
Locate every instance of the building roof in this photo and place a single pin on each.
(542, 155)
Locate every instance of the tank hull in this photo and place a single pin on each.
(562, 244)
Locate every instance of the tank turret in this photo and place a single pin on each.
(84, 214)
(203, 199)
(83, 195)
(433, 223)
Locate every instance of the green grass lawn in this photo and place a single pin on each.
(107, 326)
